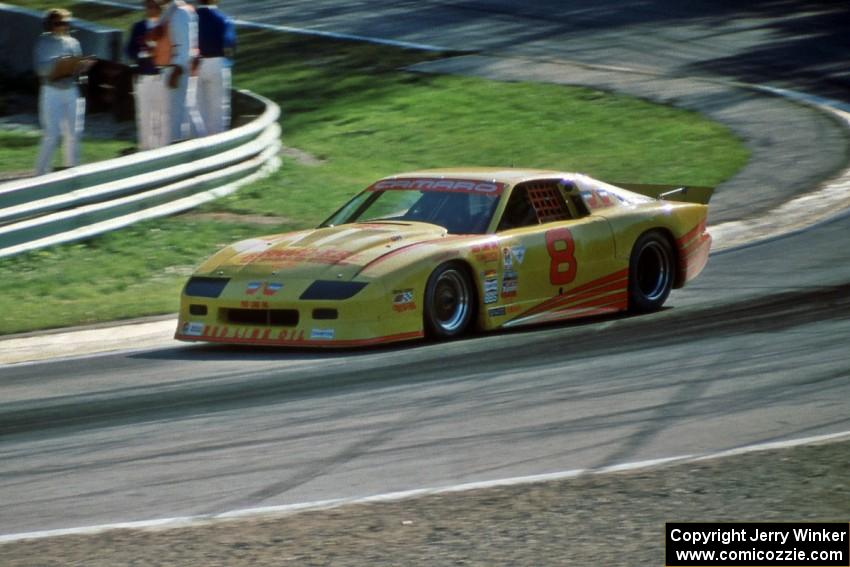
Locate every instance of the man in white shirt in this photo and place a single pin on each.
(58, 64)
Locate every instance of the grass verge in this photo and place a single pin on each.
(355, 115)
(19, 149)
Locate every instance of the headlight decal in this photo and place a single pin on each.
(205, 287)
(332, 290)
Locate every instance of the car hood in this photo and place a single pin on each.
(337, 253)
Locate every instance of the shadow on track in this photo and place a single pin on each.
(475, 358)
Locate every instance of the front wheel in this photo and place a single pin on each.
(448, 302)
(650, 273)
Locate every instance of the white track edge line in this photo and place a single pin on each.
(289, 509)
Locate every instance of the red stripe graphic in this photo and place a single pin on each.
(612, 282)
(403, 249)
(688, 236)
(693, 247)
(604, 308)
(392, 254)
(619, 285)
(694, 244)
(621, 297)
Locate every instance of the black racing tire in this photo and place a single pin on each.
(651, 272)
(449, 302)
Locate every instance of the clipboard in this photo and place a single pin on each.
(71, 66)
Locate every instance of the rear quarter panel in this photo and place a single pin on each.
(684, 223)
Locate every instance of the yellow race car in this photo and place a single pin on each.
(440, 252)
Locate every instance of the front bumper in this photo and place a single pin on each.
(370, 318)
(325, 337)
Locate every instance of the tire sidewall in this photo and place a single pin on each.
(432, 327)
(649, 243)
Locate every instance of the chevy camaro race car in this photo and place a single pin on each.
(439, 252)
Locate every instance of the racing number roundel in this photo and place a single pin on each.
(561, 248)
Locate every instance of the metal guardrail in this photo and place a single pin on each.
(94, 198)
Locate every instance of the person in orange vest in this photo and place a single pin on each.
(150, 55)
(179, 24)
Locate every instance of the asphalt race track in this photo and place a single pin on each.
(754, 351)
(790, 42)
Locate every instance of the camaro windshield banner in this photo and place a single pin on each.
(441, 185)
(757, 544)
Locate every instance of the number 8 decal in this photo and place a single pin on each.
(562, 249)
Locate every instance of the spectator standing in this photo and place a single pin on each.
(150, 55)
(59, 64)
(216, 43)
(179, 24)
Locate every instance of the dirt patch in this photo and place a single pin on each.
(12, 175)
(301, 157)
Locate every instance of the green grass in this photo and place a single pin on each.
(353, 108)
(366, 120)
(19, 150)
(122, 274)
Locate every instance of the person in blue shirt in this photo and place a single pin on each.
(216, 44)
(149, 87)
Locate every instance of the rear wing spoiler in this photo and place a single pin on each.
(684, 193)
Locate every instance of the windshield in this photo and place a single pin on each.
(461, 207)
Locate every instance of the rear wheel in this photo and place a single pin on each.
(650, 272)
(448, 302)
